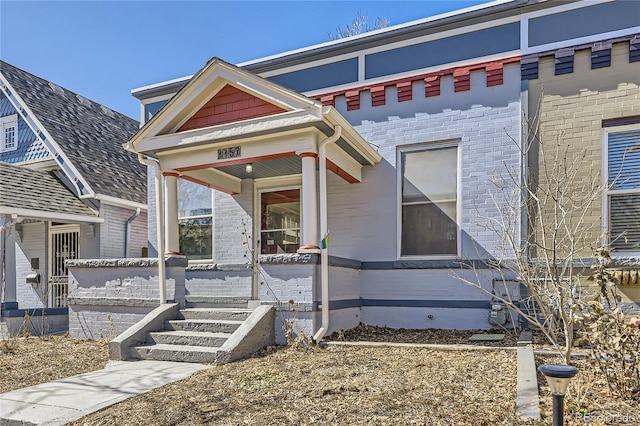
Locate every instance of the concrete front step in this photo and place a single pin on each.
(235, 314)
(203, 325)
(180, 353)
(216, 302)
(189, 338)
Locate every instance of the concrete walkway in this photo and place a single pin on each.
(62, 401)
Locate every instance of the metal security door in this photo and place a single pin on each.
(63, 243)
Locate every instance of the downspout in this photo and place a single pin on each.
(162, 274)
(324, 254)
(127, 232)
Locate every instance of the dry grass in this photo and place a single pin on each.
(28, 361)
(588, 400)
(336, 385)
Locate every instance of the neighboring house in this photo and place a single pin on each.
(67, 191)
(415, 122)
(586, 94)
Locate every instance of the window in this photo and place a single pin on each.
(280, 221)
(622, 198)
(9, 131)
(429, 188)
(195, 220)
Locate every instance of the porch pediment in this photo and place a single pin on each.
(230, 104)
(217, 96)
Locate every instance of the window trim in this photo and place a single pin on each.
(457, 143)
(8, 122)
(606, 193)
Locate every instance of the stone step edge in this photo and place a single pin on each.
(177, 348)
(192, 333)
(205, 321)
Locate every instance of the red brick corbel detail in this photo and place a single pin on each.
(432, 86)
(378, 96)
(328, 100)
(353, 100)
(495, 74)
(405, 91)
(461, 80)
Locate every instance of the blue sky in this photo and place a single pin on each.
(104, 49)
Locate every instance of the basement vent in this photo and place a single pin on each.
(107, 111)
(56, 89)
(84, 101)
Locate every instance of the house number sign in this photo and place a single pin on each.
(231, 152)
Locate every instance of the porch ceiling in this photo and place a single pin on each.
(266, 168)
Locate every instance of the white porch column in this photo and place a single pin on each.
(8, 233)
(309, 202)
(172, 242)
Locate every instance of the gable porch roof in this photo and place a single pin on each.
(266, 124)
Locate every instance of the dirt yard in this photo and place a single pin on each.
(336, 385)
(333, 385)
(28, 361)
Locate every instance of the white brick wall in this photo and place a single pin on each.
(112, 232)
(230, 212)
(363, 217)
(118, 283)
(32, 246)
(219, 283)
(98, 322)
(288, 282)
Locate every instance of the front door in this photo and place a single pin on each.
(63, 246)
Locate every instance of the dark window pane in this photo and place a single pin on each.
(625, 222)
(196, 240)
(428, 230)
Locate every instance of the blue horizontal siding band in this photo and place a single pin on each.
(34, 312)
(499, 39)
(429, 303)
(582, 22)
(406, 303)
(328, 75)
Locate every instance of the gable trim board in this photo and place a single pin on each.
(119, 202)
(81, 185)
(49, 216)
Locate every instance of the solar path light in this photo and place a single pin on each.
(558, 376)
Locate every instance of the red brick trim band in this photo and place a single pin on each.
(461, 75)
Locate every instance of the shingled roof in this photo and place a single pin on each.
(90, 135)
(37, 191)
